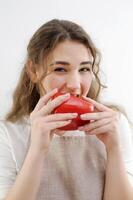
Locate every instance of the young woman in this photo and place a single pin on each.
(40, 162)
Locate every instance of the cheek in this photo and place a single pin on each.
(50, 82)
(86, 83)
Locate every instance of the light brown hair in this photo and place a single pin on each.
(45, 39)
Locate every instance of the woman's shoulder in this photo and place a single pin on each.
(14, 128)
(20, 127)
(15, 136)
(22, 122)
(16, 132)
(125, 125)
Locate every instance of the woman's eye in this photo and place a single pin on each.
(60, 69)
(85, 69)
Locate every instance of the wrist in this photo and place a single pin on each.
(113, 149)
(38, 152)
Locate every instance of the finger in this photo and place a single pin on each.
(43, 100)
(58, 117)
(58, 124)
(95, 124)
(98, 105)
(58, 132)
(96, 116)
(103, 129)
(53, 104)
(51, 135)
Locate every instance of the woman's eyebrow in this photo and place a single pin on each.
(67, 63)
(60, 62)
(86, 63)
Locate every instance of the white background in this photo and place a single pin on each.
(110, 24)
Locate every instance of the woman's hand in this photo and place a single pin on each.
(44, 124)
(104, 124)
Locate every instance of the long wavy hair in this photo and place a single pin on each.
(42, 43)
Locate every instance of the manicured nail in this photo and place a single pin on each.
(66, 95)
(74, 114)
(81, 128)
(55, 90)
(83, 116)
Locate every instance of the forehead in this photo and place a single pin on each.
(71, 51)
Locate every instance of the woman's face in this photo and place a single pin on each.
(69, 69)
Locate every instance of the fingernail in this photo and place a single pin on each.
(74, 114)
(81, 128)
(66, 95)
(83, 117)
(55, 90)
(69, 121)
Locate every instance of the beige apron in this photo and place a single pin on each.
(74, 169)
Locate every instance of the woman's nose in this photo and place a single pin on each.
(73, 82)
